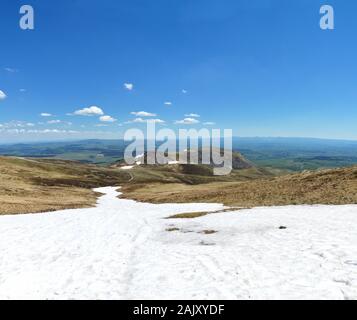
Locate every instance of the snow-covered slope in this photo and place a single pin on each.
(123, 250)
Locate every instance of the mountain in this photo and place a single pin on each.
(238, 160)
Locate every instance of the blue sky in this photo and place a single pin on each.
(261, 68)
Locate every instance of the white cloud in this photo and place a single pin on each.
(16, 131)
(156, 121)
(45, 114)
(128, 86)
(209, 123)
(91, 111)
(187, 121)
(11, 70)
(168, 103)
(144, 114)
(51, 131)
(141, 120)
(192, 115)
(2, 95)
(17, 124)
(54, 121)
(107, 119)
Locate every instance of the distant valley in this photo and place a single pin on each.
(285, 154)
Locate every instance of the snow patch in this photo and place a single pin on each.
(123, 249)
(127, 167)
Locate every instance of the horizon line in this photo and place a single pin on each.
(122, 139)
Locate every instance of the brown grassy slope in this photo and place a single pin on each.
(33, 185)
(190, 174)
(334, 186)
(29, 185)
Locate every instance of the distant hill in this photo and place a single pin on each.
(238, 160)
(86, 151)
(297, 154)
(284, 154)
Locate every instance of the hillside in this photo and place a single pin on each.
(331, 186)
(33, 185)
(29, 185)
(238, 160)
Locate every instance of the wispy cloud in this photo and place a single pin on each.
(143, 114)
(209, 123)
(91, 111)
(141, 120)
(36, 131)
(17, 124)
(192, 115)
(107, 119)
(184, 91)
(54, 121)
(168, 103)
(187, 121)
(22, 90)
(45, 114)
(128, 86)
(2, 95)
(11, 70)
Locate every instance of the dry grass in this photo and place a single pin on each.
(34, 200)
(32, 185)
(29, 185)
(208, 232)
(334, 186)
(193, 215)
(188, 215)
(190, 174)
(172, 229)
